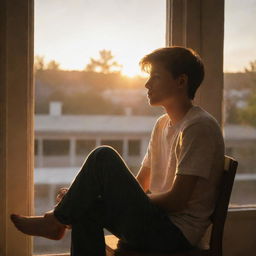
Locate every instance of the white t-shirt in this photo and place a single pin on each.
(193, 146)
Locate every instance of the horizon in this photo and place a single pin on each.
(143, 75)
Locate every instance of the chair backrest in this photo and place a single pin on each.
(219, 215)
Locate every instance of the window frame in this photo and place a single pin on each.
(184, 27)
(16, 122)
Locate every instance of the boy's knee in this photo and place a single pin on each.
(102, 153)
(105, 150)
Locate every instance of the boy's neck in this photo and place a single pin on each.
(178, 110)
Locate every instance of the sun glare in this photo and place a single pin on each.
(129, 66)
(131, 71)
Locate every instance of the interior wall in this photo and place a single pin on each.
(240, 234)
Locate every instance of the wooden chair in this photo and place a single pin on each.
(218, 220)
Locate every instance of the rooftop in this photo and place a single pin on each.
(120, 124)
(94, 123)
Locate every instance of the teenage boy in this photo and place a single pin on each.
(167, 207)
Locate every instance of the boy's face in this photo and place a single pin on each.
(161, 85)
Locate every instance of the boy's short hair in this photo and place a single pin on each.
(178, 60)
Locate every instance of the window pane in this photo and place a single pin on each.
(36, 147)
(55, 147)
(134, 147)
(89, 90)
(240, 96)
(83, 147)
(116, 144)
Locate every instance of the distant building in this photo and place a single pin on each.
(125, 97)
(62, 142)
(65, 140)
(240, 143)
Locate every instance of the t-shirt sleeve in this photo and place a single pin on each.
(196, 151)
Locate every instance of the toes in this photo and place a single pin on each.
(14, 217)
(17, 221)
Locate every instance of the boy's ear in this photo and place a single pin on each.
(183, 79)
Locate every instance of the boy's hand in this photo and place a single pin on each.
(59, 197)
(61, 194)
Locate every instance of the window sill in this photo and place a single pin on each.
(242, 208)
(60, 254)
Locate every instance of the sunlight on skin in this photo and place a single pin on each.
(45, 226)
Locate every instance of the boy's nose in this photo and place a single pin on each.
(147, 85)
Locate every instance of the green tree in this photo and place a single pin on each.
(250, 72)
(39, 63)
(252, 67)
(247, 115)
(105, 64)
(53, 65)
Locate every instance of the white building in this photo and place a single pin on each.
(62, 142)
(65, 140)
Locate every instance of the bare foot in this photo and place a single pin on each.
(46, 226)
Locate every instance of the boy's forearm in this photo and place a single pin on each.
(143, 178)
(166, 202)
(143, 184)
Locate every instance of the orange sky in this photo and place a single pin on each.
(73, 31)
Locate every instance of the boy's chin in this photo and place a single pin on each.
(154, 103)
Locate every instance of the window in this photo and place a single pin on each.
(229, 151)
(134, 147)
(116, 144)
(83, 147)
(80, 105)
(20, 30)
(55, 147)
(42, 193)
(36, 147)
(239, 97)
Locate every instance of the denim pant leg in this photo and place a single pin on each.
(105, 194)
(87, 238)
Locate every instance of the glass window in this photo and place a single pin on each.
(229, 151)
(240, 96)
(134, 147)
(36, 147)
(83, 147)
(87, 83)
(116, 144)
(55, 147)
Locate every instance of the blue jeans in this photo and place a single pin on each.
(105, 194)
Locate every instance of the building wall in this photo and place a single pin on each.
(74, 155)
